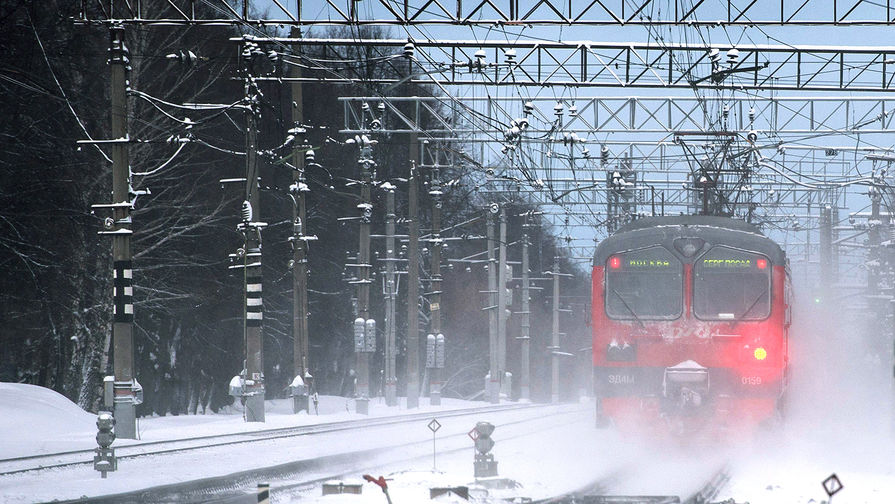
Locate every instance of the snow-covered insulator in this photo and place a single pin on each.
(522, 123)
(273, 56)
(733, 56)
(310, 156)
(409, 49)
(510, 56)
(480, 56)
(715, 55)
(573, 110)
(246, 211)
(726, 111)
(185, 57)
(365, 107)
(528, 108)
(381, 107)
(604, 154)
(557, 109)
(751, 114)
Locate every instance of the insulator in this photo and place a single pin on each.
(733, 56)
(510, 55)
(529, 107)
(246, 211)
(573, 111)
(557, 109)
(310, 156)
(409, 49)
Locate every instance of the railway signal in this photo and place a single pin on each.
(104, 461)
(484, 465)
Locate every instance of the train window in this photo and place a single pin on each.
(644, 284)
(732, 284)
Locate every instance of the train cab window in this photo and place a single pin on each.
(732, 284)
(644, 284)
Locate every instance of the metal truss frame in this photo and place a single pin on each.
(499, 12)
(631, 115)
(588, 64)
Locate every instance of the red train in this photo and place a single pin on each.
(690, 325)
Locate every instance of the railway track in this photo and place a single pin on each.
(42, 462)
(599, 492)
(294, 478)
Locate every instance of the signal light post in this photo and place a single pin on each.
(104, 460)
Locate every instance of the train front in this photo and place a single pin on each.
(690, 318)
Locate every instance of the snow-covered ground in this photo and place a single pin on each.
(548, 451)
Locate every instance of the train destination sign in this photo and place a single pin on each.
(728, 263)
(648, 263)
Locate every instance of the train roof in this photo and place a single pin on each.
(664, 230)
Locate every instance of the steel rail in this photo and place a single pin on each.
(158, 447)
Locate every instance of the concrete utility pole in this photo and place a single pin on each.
(435, 301)
(363, 283)
(502, 304)
(413, 280)
(301, 366)
(251, 229)
(525, 338)
(554, 348)
(391, 378)
(825, 242)
(494, 372)
(125, 384)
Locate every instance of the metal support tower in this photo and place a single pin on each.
(493, 391)
(251, 228)
(502, 303)
(391, 377)
(123, 312)
(525, 338)
(301, 366)
(554, 346)
(413, 279)
(435, 300)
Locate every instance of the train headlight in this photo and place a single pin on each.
(760, 354)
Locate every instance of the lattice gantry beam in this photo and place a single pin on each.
(630, 115)
(584, 64)
(494, 12)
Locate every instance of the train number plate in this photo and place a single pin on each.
(751, 380)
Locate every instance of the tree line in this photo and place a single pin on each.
(57, 288)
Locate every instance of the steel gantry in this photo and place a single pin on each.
(498, 12)
(585, 63)
(626, 114)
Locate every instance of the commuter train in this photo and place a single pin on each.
(690, 325)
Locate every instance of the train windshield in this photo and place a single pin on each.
(732, 284)
(644, 284)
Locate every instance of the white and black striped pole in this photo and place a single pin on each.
(251, 227)
(120, 230)
(263, 493)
